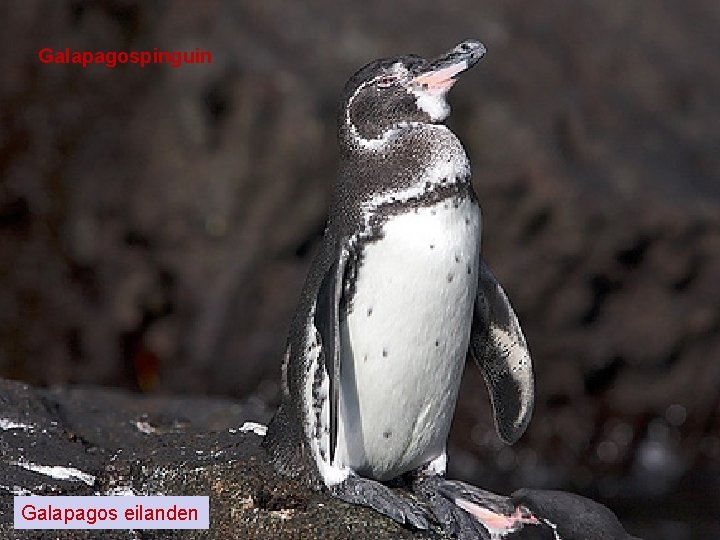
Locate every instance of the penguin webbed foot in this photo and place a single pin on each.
(381, 498)
(463, 493)
(443, 495)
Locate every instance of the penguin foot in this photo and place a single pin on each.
(366, 492)
(469, 512)
(462, 492)
(450, 516)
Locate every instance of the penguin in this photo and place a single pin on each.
(570, 516)
(396, 298)
(537, 513)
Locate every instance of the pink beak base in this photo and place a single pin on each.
(498, 523)
(442, 79)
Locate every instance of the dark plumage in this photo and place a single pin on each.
(575, 517)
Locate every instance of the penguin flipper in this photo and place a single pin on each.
(499, 348)
(327, 322)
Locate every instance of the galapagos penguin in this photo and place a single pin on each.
(396, 298)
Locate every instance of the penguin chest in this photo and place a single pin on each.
(405, 338)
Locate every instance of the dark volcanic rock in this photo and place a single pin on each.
(92, 441)
(107, 442)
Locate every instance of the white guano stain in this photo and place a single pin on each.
(58, 472)
(17, 490)
(119, 491)
(145, 427)
(257, 429)
(7, 424)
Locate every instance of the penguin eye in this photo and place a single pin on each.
(386, 81)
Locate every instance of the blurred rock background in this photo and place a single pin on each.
(156, 224)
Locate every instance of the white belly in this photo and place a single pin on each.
(405, 341)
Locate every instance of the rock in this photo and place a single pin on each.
(93, 441)
(107, 442)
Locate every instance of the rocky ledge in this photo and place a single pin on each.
(85, 441)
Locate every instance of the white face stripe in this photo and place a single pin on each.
(360, 88)
(378, 142)
(433, 103)
(554, 527)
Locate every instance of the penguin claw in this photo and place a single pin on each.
(366, 492)
(453, 519)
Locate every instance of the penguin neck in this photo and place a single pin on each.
(357, 142)
(409, 165)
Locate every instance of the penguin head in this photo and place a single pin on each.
(394, 93)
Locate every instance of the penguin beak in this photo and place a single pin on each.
(441, 73)
(497, 522)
